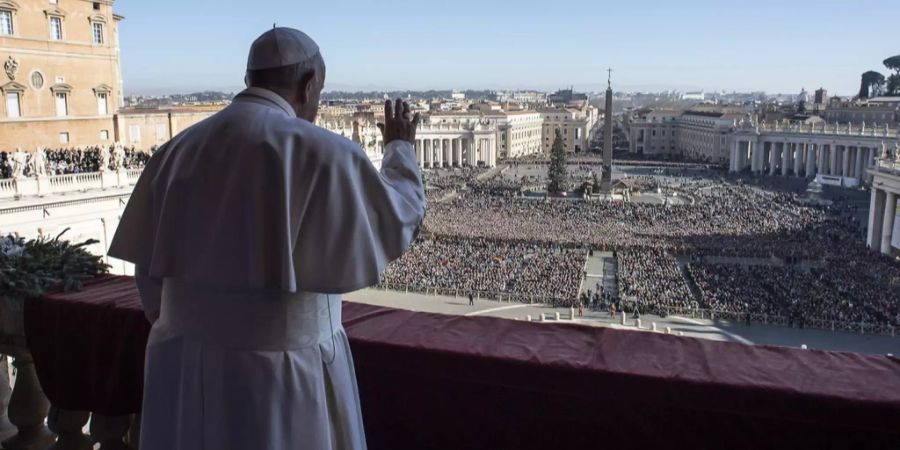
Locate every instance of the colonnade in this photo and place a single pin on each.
(456, 152)
(882, 215)
(807, 158)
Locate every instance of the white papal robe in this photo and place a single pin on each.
(244, 229)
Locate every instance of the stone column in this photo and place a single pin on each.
(438, 157)
(420, 155)
(753, 148)
(869, 177)
(492, 153)
(810, 161)
(798, 159)
(786, 152)
(457, 157)
(876, 219)
(846, 163)
(821, 160)
(426, 157)
(743, 157)
(773, 157)
(859, 169)
(833, 160)
(851, 160)
(887, 228)
(732, 159)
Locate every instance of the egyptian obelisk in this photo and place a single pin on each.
(606, 180)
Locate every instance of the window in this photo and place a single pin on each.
(102, 104)
(56, 28)
(104, 135)
(134, 132)
(64, 137)
(96, 6)
(13, 108)
(62, 106)
(6, 25)
(98, 33)
(161, 134)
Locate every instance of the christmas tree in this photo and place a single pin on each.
(556, 174)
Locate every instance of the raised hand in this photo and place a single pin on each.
(398, 123)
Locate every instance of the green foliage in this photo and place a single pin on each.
(893, 85)
(556, 173)
(29, 269)
(871, 84)
(893, 63)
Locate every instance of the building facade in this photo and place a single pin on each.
(519, 133)
(699, 135)
(575, 125)
(61, 82)
(145, 129)
(876, 111)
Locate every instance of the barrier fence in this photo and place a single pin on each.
(693, 313)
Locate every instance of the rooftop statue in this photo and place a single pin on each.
(39, 162)
(104, 158)
(20, 161)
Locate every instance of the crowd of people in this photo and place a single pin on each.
(719, 217)
(63, 161)
(844, 291)
(651, 281)
(528, 271)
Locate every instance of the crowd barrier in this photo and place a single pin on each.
(692, 313)
(478, 295)
(779, 320)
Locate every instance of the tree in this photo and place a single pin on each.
(871, 84)
(556, 173)
(893, 82)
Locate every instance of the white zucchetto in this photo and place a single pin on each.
(280, 47)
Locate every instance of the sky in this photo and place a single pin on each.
(179, 46)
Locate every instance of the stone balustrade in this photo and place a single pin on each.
(831, 129)
(23, 187)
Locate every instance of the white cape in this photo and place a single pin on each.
(240, 228)
(254, 197)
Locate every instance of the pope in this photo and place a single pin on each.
(244, 230)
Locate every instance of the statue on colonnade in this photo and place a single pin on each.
(119, 156)
(104, 158)
(20, 161)
(39, 162)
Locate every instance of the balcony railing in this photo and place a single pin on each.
(890, 164)
(448, 382)
(17, 188)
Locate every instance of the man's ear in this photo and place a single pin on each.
(306, 87)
